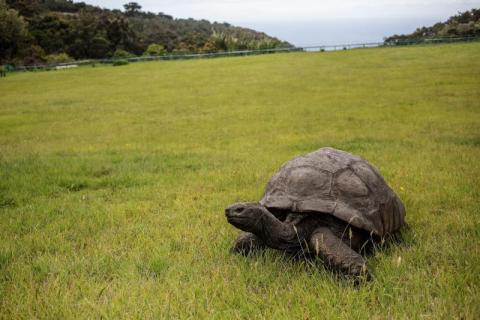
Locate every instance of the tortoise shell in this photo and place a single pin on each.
(335, 182)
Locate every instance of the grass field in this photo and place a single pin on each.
(113, 182)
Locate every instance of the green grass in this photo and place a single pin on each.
(113, 183)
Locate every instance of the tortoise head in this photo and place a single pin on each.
(245, 215)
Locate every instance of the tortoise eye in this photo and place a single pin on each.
(238, 210)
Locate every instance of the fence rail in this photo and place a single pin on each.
(186, 56)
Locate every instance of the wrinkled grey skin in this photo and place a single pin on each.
(338, 244)
(328, 204)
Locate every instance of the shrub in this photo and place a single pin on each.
(99, 47)
(58, 58)
(33, 55)
(120, 62)
(154, 50)
(122, 54)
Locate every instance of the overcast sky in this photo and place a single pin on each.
(287, 18)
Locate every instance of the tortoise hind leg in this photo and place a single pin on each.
(246, 243)
(336, 253)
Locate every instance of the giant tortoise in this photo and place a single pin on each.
(328, 204)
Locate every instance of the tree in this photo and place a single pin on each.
(84, 31)
(99, 48)
(60, 6)
(33, 55)
(13, 33)
(118, 32)
(463, 24)
(26, 8)
(154, 50)
(182, 48)
(122, 54)
(58, 58)
(132, 8)
(209, 47)
(51, 32)
(219, 40)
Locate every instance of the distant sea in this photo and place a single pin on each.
(338, 32)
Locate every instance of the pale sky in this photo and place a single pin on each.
(282, 17)
(297, 10)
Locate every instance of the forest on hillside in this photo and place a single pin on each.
(52, 31)
(463, 24)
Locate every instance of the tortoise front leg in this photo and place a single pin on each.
(246, 243)
(335, 253)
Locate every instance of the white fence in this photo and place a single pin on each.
(318, 48)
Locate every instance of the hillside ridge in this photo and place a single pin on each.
(38, 31)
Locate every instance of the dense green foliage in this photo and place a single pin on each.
(121, 54)
(32, 29)
(113, 183)
(465, 24)
(154, 50)
(58, 58)
(119, 62)
(13, 32)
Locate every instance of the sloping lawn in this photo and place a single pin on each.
(113, 182)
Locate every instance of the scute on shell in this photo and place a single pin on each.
(338, 183)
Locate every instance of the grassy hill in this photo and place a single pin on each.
(113, 183)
